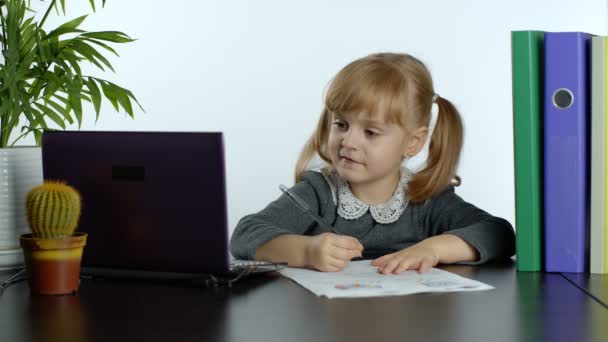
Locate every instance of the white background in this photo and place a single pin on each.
(257, 70)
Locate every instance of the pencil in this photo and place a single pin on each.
(302, 205)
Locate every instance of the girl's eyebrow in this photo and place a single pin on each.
(369, 122)
(374, 122)
(380, 124)
(335, 115)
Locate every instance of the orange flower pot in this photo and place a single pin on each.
(53, 265)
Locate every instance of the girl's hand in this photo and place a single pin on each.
(329, 252)
(421, 257)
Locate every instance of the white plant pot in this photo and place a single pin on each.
(20, 171)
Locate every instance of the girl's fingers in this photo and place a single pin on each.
(407, 264)
(337, 264)
(347, 242)
(344, 254)
(425, 265)
(329, 264)
(390, 266)
(331, 268)
(381, 260)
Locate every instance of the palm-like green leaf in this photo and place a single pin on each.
(51, 114)
(41, 76)
(105, 46)
(109, 36)
(69, 27)
(75, 98)
(95, 95)
(59, 109)
(74, 61)
(89, 53)
(108, 91)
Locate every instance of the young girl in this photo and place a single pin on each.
(377, 114)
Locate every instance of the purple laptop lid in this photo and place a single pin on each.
(151, 201)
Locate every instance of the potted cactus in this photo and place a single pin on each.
(53, 251)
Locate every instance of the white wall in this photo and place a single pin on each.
(257, 71)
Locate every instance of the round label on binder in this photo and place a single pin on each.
(563, 98)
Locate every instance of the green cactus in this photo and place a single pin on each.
(53, 210)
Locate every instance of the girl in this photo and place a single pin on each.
(377, 114)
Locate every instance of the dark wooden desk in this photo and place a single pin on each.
(523, 307)
(595, 285)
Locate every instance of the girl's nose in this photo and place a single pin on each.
(350, 139)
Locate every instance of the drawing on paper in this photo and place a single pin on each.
(357, 286)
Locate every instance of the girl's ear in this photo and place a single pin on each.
(416, 141)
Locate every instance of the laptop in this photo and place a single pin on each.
(153, 203)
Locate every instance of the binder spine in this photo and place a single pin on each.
(598, 156)
(527, 65)
(566, 152)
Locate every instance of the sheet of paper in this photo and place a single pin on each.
(361, 279)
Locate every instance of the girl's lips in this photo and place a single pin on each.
(348, 160)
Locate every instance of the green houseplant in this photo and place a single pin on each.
(53, 251)
(41, 78)
(43, 85)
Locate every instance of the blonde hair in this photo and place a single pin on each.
(400, 89)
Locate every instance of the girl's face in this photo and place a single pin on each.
(366, 151)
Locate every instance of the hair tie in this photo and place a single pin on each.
(435, 97)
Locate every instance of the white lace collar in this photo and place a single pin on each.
(351, 208)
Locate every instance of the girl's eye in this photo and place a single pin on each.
(339, 124)
(370, 133)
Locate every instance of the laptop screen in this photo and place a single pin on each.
(151, 201)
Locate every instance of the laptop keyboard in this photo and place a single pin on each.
(248, 263)
(254, 266)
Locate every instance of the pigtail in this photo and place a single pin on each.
(305, 156)
(315, 144)
(443, 156)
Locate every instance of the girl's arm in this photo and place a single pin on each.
(277, 232)
(451, 248)
(280, 217)
(445, 249)
(288, 248)
(326, 252)
(449, 215)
